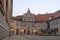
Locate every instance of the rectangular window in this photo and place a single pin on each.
(28, 19)
(56, 21)
(24, 25)
(52, 22)
(59, 21)
(32, 25)
(17, 23)
(24, 19)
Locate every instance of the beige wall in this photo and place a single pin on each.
(28, 23)
(41, 25)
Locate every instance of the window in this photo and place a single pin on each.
(56, 21)
(28, 26)
(52, 22)
(28, 19)
(59, 21)
(21, 19)
(17, 23)
(24, 25)
(55, 29)
(32, 25)
(24, 19)
(32, 20)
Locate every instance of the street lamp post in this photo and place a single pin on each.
(48, 27)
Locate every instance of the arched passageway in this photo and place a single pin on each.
(28, 32)
(17, 31)
(34, 31)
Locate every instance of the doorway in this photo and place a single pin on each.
(17, 31)
(28, 32)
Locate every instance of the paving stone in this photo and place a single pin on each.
(33, 37)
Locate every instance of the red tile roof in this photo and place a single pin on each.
(57, 14)
(45, 17)
(18, 18)
(42, 17)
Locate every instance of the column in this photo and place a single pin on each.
(15, 31)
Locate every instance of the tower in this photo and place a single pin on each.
(28, 11)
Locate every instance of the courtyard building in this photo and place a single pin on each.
(29, 23)
(55, 25)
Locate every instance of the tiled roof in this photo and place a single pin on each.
(18, 18)
(57, 14)
(45, 17)
(41, 17)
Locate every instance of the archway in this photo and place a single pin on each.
(28, 32)
(34, 31)
(17, 31)
(24, 31)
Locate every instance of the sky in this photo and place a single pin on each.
(36, 6)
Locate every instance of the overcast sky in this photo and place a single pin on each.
(36, 6)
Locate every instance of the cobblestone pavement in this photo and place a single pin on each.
(33, 37)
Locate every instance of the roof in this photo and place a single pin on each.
(45, 17)
(41, 17)
(17, 18)
(57, 14)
